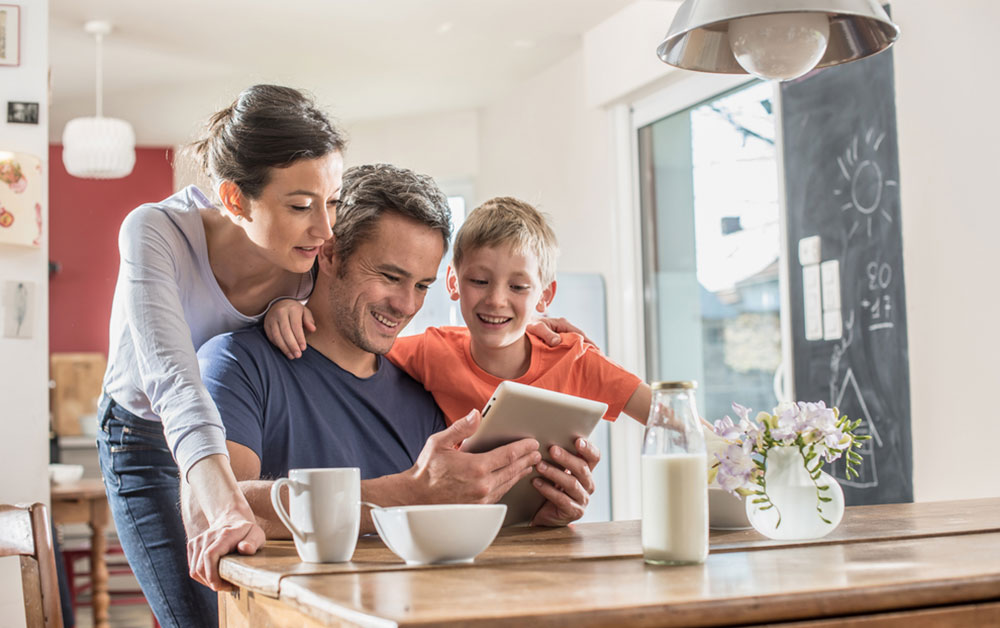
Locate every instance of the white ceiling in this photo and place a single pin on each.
(171, 63)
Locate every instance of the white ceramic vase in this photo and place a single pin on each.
(794, 496)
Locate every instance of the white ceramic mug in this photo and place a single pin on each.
(325, 512)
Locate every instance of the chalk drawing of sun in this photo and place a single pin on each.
(865, 182)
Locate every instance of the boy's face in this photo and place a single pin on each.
(500, 290)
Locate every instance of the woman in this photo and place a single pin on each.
(190, 271)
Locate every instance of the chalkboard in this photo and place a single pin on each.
(848, 303)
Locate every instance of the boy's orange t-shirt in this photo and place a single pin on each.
(441, 359)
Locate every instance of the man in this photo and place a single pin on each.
(341, 403)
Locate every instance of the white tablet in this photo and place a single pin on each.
(518, 411)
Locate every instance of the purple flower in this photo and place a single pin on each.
(725, 428)
(735, 468)
(743, 413)
(787, 427)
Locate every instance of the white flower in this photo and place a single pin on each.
(782, 407)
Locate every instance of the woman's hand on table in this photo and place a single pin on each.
(210, 494)
(231, 533)
(569, 484)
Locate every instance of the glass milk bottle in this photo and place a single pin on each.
(674, 479)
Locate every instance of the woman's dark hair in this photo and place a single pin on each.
(267, 126)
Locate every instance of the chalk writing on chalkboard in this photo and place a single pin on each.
(848, 389)
(849, 342)
(864, 181)
(878, 307)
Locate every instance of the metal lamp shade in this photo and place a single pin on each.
(98, 148)
(698, 38)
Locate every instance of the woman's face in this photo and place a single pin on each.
(295, 211)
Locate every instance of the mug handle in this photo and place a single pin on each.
(279, 509)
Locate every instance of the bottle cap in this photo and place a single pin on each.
(682, 385)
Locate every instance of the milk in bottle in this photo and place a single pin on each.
(674, 479)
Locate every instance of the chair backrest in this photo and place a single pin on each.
(25, 532)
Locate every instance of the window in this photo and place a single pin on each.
(708, 183)
(438, 308)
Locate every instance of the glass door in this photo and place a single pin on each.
(708, 188)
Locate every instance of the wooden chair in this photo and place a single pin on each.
(25, 532)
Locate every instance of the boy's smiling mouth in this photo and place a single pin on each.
(493, 320)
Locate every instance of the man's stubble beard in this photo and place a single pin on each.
(350, 324)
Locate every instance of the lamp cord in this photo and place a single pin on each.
(100, 77)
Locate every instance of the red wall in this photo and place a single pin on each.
(84, 217)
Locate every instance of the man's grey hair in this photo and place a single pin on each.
(370, 191)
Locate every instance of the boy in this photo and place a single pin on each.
(502, 272)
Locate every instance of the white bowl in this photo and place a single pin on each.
(65, 473)
(726, 511)
(439, 533)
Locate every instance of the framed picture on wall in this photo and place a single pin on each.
(21, 188)
(10, 34)
(22, 112)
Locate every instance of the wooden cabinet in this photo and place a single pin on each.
(75, 387)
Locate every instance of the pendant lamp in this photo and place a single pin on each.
(774, 39)
(98, 147)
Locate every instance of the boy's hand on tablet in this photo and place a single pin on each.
(569, 486)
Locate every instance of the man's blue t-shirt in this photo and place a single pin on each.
(309, 412)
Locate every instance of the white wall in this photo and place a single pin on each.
(949, 163)
(24, 372)
(540, 144)
(619, 53)
(444, 145)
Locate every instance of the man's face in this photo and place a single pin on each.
(383, 283)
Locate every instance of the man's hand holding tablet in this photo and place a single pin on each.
(558, 422)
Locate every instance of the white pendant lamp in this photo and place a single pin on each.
(774, 39)
(98, 147)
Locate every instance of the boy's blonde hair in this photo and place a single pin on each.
(506, 220)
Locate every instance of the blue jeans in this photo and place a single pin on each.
(143, 485)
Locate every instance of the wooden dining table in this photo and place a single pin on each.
(926, 564)
(85, 501)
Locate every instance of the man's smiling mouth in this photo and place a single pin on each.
(385, 321)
